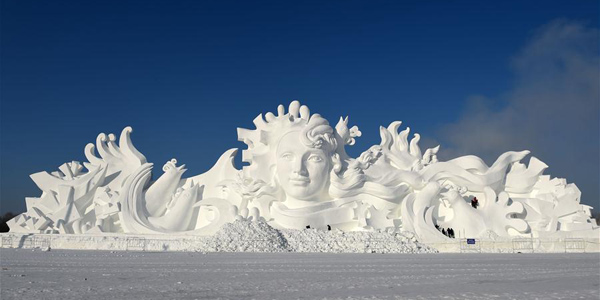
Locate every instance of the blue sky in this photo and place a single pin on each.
(478, 77)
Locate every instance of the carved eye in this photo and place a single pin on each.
(315, 158)
(287, 156)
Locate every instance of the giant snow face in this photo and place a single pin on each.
(302, 171)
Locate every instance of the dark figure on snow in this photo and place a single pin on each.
(307, 226)
(328, 227)
(444, 232)
(450, 232)
(474, 202)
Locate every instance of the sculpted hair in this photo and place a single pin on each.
(318, 134)
(353, 181)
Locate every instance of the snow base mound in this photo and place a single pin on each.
(246, 236)
(258, 236)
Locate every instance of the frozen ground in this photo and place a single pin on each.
(67, 274)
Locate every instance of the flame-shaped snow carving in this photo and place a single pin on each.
(499, 213)
(161, 190)
(402, 154)
(120, 161)
(495, 214)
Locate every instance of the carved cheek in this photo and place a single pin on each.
(282, 168)
(318, 171)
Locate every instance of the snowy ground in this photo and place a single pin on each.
(68, 274)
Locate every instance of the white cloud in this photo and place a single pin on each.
(553, 108)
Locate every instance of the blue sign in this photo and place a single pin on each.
(470, 241)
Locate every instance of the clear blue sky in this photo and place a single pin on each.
(185, 74)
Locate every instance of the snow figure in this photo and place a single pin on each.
(292, 159)
(299, 176)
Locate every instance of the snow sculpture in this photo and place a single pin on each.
(299, 176)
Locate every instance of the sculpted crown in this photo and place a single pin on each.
(315, 133)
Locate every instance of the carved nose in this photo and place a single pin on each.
(299, 168)
(301, 173)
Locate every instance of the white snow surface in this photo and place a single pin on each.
(77, 274)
